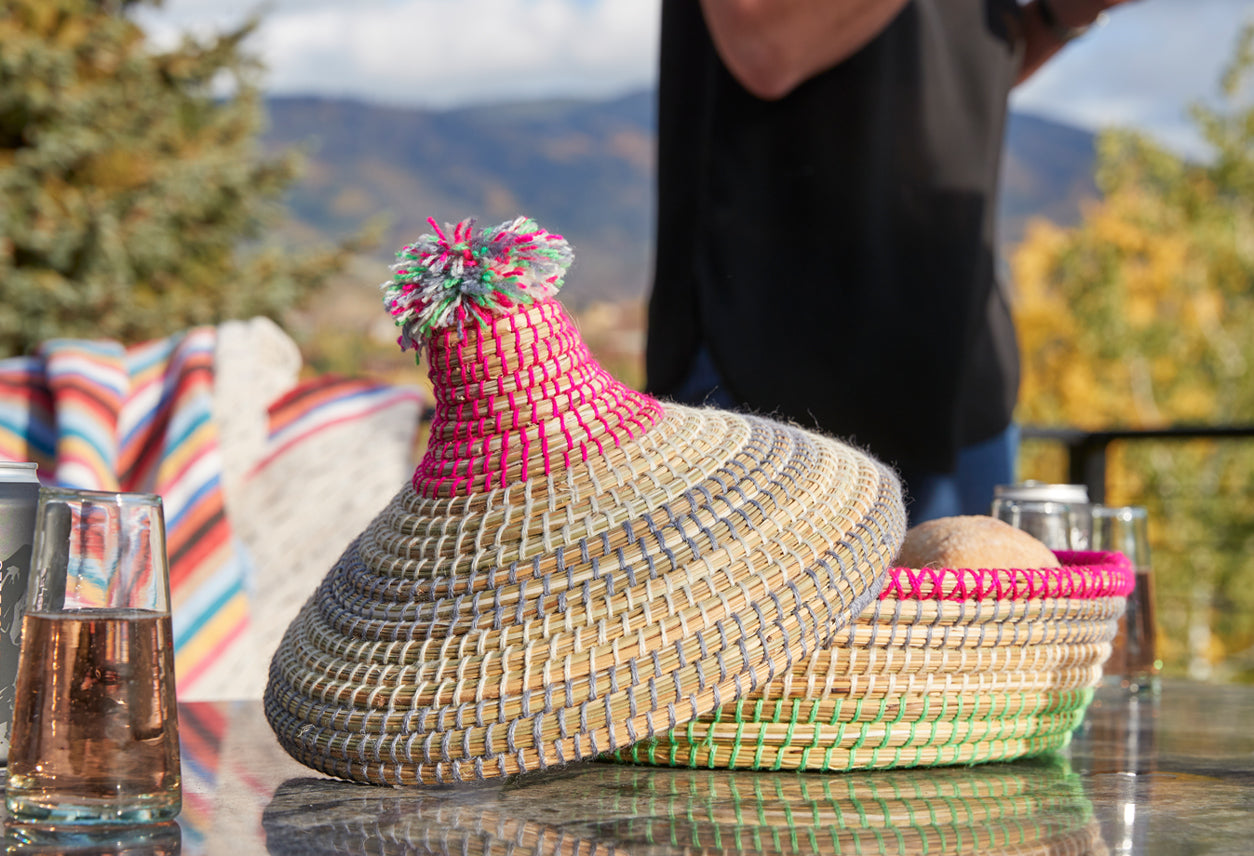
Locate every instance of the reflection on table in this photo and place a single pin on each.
(1173, 774)
(605, 808)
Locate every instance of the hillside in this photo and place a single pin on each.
(586, 167)
(1047, 172)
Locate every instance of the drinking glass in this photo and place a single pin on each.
(148, 839)
(1134, 661)
(95, 729)
(1056, 514)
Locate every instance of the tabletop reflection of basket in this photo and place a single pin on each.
(1037, 807)
(948, 666)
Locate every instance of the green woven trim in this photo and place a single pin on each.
(1019, 726)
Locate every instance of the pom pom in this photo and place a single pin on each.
(441, 281)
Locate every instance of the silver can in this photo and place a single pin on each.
(19, 494)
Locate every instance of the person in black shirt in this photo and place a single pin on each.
(827, 186)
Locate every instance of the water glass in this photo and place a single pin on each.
(1134, 661)
(148, 839)
(95, 728)
(1056, 514)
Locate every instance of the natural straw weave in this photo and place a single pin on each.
(947, 666)
(993, 810)
(574, 568)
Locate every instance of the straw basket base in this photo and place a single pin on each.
(947, 667)
(858, 746)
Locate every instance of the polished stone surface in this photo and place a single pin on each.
(1172, 774)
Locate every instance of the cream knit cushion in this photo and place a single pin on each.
(349, 463)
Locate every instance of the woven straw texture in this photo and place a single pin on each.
(574, 568)
(946, 667)
(993, 810)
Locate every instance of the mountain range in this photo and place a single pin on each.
(585, 166)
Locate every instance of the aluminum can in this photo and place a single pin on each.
(19, 495)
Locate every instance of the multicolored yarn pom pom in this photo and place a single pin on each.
(442, 281)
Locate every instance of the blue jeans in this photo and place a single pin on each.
(968, 490)
(704, 385)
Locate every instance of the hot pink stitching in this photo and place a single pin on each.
(524, 437)
(544, 451)
(1080, 575)
(482, 422)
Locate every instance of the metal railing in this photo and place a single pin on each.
(1086, 450)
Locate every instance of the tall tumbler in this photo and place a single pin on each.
(95, 728)
(19, 493)
(1134, 662)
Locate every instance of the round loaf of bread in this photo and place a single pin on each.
(972, 541)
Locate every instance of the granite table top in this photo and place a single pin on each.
(1171, 773)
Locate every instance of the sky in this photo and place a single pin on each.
(1141, 68)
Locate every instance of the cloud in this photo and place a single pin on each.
(1141, 69)
(439, 53)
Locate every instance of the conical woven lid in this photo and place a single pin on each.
(575, 566)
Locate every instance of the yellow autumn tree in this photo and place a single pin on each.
(1142, 316)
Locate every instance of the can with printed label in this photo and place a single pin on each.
(19, 494)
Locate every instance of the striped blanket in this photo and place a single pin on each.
(97, 415)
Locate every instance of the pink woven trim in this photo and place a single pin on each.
(521, 395)
(1080, 575)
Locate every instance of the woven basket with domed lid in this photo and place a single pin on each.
(575, 566)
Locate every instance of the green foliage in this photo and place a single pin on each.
(127, 189)
(1143, 316)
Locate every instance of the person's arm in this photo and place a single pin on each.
(1049, 24)
(771, 46)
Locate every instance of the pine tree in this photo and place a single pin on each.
(135, 202)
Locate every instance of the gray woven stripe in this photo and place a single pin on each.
(434, 651)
